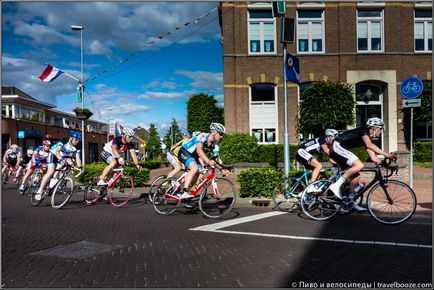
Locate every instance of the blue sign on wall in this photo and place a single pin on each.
(411, 88)
(20, 134)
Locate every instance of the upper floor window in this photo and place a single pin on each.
(370, 30)
(423, 30)
(30, 114)
(310, 31)
(262, 36)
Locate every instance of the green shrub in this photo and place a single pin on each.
(258, 182)
(153, 164)
(274, 153)
(238, 148)
(361, 153)
(422, 151)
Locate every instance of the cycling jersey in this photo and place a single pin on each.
(41, 155)
(25, 160)
(353, 138)
(307, 148)
(202, 138)
(175, 148)
(66, 150)
(11, 156)
(120, 145)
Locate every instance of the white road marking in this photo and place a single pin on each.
(218, 226)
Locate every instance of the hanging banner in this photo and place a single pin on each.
(292, 69)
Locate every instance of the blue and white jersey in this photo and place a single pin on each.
(11, 155)
(66, 150)
(41, 155)
(202, 138)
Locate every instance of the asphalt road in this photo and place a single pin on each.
(101, 246)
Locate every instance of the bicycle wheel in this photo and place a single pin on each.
(93, 192)
(322, 205)
(165, 200)
(217, 199)
(62, 193)
(154, 185)
(401, 206)
(33, 183)
(122, 191)
(286, 194)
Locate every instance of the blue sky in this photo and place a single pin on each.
(155, 83)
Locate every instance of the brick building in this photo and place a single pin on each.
(372, 46)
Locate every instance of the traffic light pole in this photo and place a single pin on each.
(285, 93)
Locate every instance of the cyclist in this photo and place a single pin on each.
(315, 146)
(112, 150)
(38, 160)
(339, 152)
(196, 148)
(172, 155)
(11, 158)
(24, 162)
(57, 157)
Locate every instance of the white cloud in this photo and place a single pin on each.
(204, 80)
(166, 95)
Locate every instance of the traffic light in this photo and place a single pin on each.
(279, 8)
(287, 30)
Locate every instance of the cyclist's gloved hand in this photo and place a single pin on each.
(70, 162)
(121, 161)
(138, 167)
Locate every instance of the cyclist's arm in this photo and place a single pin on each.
(115, 151)
(325, 148)
(202, 155)
(78, 160)
(57, 153)
(134, 156)
(374, 149)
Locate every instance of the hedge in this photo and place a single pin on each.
(258, 182)
(238, 148)
(422, 151)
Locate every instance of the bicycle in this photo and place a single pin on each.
(214, 196)
(120, 189)
(287, 193)
(388, 201)
(64, 188)
(154, 185)
(35, 178)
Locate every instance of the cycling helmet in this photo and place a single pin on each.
(218, 127)
(46, 142)
(76, 135)
(195, 133)
(375, 122)
(128, 131)
(29, 151)
(331, 132)
(14, 146)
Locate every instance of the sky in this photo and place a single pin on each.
(127, 79)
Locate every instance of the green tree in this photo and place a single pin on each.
(424, 113)
(325, 105)
(173, 135)
(153, 147)
(202, 110)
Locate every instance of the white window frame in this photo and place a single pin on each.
(425, 21)
(20, 108)
(309, 24)
(261, 29)
(369, 36)
(276, 114)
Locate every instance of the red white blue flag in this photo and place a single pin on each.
(50, 74)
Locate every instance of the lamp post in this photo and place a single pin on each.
(80, 28)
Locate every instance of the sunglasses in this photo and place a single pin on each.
(221, 134)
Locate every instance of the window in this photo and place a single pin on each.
(310, 31)
(263, 112)
(370, 30)
(423, 30)
(29, 114)
(262, 36)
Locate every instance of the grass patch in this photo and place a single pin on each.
(423, 164)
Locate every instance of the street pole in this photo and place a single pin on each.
(286, 137)
(411, 147)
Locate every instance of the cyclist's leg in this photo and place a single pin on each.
(46, 178)
(317, 166)
(175, 163)
(111, 163)
(190, 163)
(29, 171)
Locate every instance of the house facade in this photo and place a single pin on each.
(372, 46)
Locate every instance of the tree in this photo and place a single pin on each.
(202, 110)
(173, 135)
(325, 105)
(424, 113)
(153, 147)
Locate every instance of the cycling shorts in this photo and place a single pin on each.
(172, 158)
(107, 156)
(37, 164)
(11, 162)
(187, 158)
(343, 157)
(304, 158)
(52, 159)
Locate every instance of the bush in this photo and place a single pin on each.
(258, 182)
(361, 153)
(422, 151)
(153, 164)
(238, 148)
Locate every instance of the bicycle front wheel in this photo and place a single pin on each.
(154, 186)
(165, 199)
(62, 193)
(287, 193)
(217, 199)
(122, 191)
(319, 204)
(398, 209)
(92, 193)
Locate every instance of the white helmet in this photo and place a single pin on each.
(14, 146)
(218, 127)
(331, 132)
(128, 132)
(375, 122)
(195, 133)
(29, 151)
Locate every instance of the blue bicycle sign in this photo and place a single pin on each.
(411, 88)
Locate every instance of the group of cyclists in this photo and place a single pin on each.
(191, 154)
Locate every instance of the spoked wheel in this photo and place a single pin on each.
(62, 193)
(154, 186)
(34, 182)
(165, 199)
(93, 192)
(122, 191)
(287, 193)
(398, 209)
(321, 205)
(217, 199)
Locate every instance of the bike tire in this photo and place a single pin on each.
(92, 193)
(122, 191)
(154, 185)
(286, 194)
(400, 210)
(217, 200)
(163, 200)
(320, 206)
(62, 193)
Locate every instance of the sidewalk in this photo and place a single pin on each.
(422, 186)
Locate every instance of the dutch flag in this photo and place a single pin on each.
(50, 74)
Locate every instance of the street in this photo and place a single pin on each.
(101, 246)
